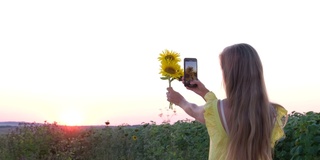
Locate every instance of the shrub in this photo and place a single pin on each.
(302, 138)
(44, 141)
(183, 140)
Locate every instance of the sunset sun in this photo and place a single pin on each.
(71, 117)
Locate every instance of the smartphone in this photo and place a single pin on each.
(190, 71)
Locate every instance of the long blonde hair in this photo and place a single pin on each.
(250, 115)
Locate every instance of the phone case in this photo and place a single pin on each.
(190, 71)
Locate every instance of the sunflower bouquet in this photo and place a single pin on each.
(170, 68)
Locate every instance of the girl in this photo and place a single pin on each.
(245, 125)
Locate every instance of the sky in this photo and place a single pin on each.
(88, 62)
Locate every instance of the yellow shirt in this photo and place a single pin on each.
(219, 137)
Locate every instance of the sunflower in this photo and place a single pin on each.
(180, 73)
(172, 70)
(134, 138)
(169, 56)
(169, 68)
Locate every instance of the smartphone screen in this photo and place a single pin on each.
(190, 71)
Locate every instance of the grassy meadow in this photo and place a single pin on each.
(183, 140)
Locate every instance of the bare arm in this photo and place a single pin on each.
(201, 90)
(194, 111)
(191, 109)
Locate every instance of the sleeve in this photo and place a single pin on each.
(281, 120)
(210, 111)
(211, 99)
(210, 96)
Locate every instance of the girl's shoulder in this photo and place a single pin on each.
(281, 119)
(281, 113)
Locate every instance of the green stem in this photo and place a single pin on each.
(170, 105)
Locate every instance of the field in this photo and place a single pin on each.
(5, 130)
(184, 140)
